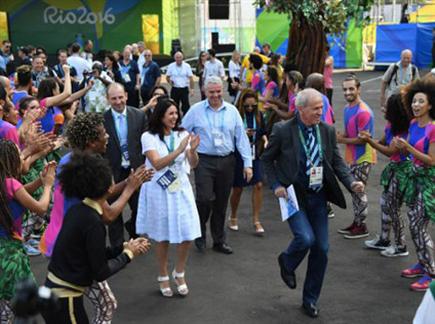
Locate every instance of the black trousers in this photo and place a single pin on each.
(214, 178)
(71, 310)
(133, 98)
(116, 228)
(181, 95)
(145, 94)
(329, 93)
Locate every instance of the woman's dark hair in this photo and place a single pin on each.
(46, 88)
(24, 75)
(397, 115)
(199, 64)
(112, 58)
(426, 86)
(7, 107)
(10, 163)
(158, 87)
(83, 129)
(23, 104)
(274, 59)
(86, 175)
(156, 124)
(256, 61)
(245, 94)
(273, 74)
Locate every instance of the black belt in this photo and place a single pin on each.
(215, 156)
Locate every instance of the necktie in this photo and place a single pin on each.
(122, 125)
(313, 149)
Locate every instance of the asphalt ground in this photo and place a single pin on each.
(360, 286)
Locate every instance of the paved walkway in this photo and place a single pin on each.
(360, 286)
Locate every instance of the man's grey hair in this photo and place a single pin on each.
(213, 80)
(406, 51)
(303, 98)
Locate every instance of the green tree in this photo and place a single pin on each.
(310, 21)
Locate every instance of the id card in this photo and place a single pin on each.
(218, 138)
(253, 151)
(126, 78)
(124, 151)
(316, 176)
(166, 179)
(175, 185)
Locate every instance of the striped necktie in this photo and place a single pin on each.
(313, 149)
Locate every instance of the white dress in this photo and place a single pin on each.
(164, 215)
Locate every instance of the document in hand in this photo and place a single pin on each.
(290, 206)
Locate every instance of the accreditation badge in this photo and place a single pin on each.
(167, 179)
(316, 176)
(218, 138)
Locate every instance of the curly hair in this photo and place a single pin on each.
(86, 175)
(426, 86)
(83, 129)
(397, 115)
(10, 165)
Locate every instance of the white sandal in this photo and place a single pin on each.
(182, 289)
(166, 292)
(231, 226)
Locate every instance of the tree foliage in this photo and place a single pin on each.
(333, 14)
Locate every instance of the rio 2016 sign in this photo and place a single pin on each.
(53, 15)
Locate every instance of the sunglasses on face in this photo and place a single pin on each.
(252, 106)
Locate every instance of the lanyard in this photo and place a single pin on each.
(171, 143)
(254, 126)
(306, 148)
(221, 127)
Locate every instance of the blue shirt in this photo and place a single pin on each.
(203, 120)
(149, 75)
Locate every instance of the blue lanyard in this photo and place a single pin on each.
(213, 126)
(306, 148)
(171, 143)
(254, 126)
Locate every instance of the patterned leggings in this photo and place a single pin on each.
(103, 302)
(418, 222)
(6, 313)
(359, 199)
(391, 201)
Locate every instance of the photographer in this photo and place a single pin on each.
(80, 255)
(95, 99)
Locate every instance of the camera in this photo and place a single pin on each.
(30, 300)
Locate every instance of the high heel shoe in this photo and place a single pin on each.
(166, 292)
(182, 289)
(231, 223)
(259, 230)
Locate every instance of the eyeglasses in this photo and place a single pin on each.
(252, 106)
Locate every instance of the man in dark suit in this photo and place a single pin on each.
(125, 126)
(303, 152)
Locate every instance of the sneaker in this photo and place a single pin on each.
(347, 229)
(358, 231)
(30, 250)
(330, 211)
(377, 244)
(34, 243)
(395, 251)
(415, 271)
(422, 284)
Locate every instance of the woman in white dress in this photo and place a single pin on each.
(167, 211)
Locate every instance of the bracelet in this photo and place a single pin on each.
(129, 253)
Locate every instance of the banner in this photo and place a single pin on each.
(110, 24)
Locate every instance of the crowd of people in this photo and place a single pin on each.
(84, 138)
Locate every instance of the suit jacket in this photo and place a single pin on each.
(282, 156)
(136, 125)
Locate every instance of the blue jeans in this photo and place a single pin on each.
(310, 230)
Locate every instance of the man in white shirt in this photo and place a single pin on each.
(78, 62)
(180, 77)
(213, 67)
(398, 74)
